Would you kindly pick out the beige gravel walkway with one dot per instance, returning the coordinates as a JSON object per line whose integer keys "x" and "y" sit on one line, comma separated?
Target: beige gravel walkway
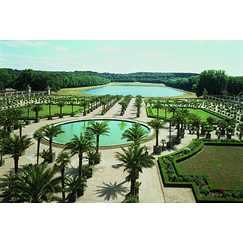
{"x": 109, "y": 183}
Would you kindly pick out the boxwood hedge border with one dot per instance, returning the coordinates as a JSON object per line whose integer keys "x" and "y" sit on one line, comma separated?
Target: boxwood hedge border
{"x": 193, "y": 185}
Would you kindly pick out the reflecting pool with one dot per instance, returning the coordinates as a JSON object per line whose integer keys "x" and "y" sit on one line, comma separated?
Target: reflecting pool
{"x": 144, "y": 91}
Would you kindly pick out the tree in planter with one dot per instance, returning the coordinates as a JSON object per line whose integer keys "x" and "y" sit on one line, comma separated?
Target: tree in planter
{"x": 3, "y": 134}
{"x": 230, "y": 131}
{"x": 51, "y": 131}
{"x": 203, "y": 124}
{"x": 75, "y": 183}
{"x": 136, "y": 133}
{"x": 20, "y": 125}
{"x": 61, "y": 104}
{"x": 138, "y": 105}
{"x": 37, "y": 108}
{"x": 38, "y": 135}
{"x": 99, "y": 129}
{"x": 210, "y": 120}
{"x": 79, "y": 145}
{"x": 163, "y": 141}
{"x": 63, "y": 159}
{"x": 7, "y": 120}
{"x": 157, "y": 124}
{"x": 158, "y": 105}
{"x": 146, "y": 148}
{"x": 32, "y": 185}
{"x": 15, "y": 146}
{"x": 123, "y": 106}
{"x": 172, "y": 109}
{"x": 134, "y": 160}
{"x": 208, "y": 129}
{"x": 222, "y": 125}
{"x": 240, "y": 127}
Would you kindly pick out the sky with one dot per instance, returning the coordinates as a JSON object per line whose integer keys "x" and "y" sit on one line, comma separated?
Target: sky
{"x": 123, "y": 56}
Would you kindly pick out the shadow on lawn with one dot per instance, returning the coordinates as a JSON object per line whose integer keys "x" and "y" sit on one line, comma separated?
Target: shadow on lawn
{"x": 110, "y": 191}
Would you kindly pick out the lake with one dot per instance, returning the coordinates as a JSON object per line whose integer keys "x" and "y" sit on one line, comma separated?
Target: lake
{"x": 144, "y": 91}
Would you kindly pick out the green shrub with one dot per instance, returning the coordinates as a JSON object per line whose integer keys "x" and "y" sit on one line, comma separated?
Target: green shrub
{"x": 187, "y": 150}
{"x": 205, "y": 191}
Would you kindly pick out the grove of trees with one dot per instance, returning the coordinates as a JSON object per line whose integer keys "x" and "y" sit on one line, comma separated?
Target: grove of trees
{"x": 215, "y": 81}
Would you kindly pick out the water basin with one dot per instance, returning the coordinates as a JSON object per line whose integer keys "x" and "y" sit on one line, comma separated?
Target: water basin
{"x": 144, "y": 91}
{"x": 117, "y": 127}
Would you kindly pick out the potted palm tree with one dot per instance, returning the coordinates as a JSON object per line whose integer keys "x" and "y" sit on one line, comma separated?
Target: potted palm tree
{"x": 51, "y": 131}
{"x": 79, "y": 145}
{"x": 163, "y": 141}
{"x": 63, "y": 159}
{"x": 37, "y": 108}
{"x": 99, "y": 129}
{"x": 134, "y": 160}
{"x": 75, "y": 184}
{"x": 15, "y": 146}
{"x": 157, "y": 124}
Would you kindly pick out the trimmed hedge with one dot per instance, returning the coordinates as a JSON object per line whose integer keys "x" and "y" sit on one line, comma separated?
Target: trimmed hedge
{"x": 229, "y": 194}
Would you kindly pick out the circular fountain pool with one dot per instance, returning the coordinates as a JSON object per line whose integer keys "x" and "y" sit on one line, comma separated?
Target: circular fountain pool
{"x": 117, "y": 127}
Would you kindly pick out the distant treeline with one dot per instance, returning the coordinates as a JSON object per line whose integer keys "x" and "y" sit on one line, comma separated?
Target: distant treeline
{"x": 215, "y": 81}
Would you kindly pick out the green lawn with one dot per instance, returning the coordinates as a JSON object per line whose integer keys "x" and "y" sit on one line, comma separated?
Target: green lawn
{"x": 54, "y": 109}
{"x": 204, "y": 115}
{"x": 223, "y": 165}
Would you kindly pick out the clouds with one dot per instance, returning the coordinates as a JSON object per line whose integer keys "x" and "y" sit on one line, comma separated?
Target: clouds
{"x": 59, "y": 48}
{"x": 110, "y": 49}
{"x": 154, "y": 54}
{"x": 19, "y": 43}
{"x": 15, "y": 56}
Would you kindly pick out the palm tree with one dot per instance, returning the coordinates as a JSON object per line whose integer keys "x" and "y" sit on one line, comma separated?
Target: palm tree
{"x": 15, "y": 146}
{"x": 38, "y": 135}
{"x": 172, "y": 109}
{"x": 158, "y": 105}
{"x": 138, "y": 105}
{"x": 84, "y": 104}
{"x": 75, "y": 183}
{"x": 134, "y": 159}
{"x": 98, "y": 129}
{"x": 63, "y": 159}
{"x": 136, "y": 133}
{"x": 61, "y": 104}
{"x": 20, "y": 125}
{"x": 79, "y": 145}
{"x": 157, "y": 124}
{"x": 33, "y": 185}
{"x": 37, "y": 108}
{"x": 51, "y": 131}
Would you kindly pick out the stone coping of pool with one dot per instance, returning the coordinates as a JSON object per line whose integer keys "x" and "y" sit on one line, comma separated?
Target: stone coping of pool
{"x": 100, "y": 118}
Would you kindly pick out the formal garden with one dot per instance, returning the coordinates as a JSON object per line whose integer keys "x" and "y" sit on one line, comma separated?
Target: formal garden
{"x": 210, "y": 164}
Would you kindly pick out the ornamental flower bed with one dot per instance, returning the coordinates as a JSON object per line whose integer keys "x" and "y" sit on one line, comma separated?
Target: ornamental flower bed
{"x": 203, "y": 188}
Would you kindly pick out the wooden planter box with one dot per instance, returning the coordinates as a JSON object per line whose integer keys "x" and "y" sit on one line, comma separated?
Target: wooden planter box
{"x": 37, "y": 120}
{"x": 49, "y": 117}
{"x": 60, "y": 115}
{"x": 73, "y": 197}
{"x": 72, "y": 114}
{"x": 27, "y": 122}
{"x": 169, "y": 145}
{"x": 53, "y": 156}
{"x": 157, "y": 149}
{"x": 2, "y": 162}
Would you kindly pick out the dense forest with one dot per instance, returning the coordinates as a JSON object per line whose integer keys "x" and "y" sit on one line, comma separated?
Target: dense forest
{"x": 215, "y": 81}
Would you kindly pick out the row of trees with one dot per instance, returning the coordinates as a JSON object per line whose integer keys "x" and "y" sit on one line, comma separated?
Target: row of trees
{"x": 40, "y": 80}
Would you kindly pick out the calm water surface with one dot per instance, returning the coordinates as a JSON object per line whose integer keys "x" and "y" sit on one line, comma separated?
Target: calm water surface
{"x": 114, "y": 138}
{"x": 145, "y": 91}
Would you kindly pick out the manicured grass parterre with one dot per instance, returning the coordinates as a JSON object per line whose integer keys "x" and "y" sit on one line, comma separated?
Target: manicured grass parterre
{"x": 202, "y": 113}
{"x": 222, "y": 164}
{"x": 200, "y": 180}
{"x": 54, "y": 110}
